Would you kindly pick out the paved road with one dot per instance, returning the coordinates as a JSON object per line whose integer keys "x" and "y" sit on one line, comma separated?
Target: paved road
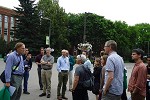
{"x": 33, "y": 86}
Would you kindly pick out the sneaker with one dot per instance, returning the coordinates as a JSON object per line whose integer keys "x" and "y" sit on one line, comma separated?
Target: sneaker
{"x": 64, "y": 98}
{"x": 48, "y": 96}
{"x": 43, "y": 94}
{"x": 26, "y": 92}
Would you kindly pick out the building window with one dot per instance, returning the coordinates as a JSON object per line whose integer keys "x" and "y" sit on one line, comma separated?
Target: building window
{"x": 5, "y": 31}
{"x": 6, "y": 19}
{"x": 12, "y": 20}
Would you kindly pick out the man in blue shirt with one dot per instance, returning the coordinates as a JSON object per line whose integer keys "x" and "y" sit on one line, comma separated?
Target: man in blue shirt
{"x": 14, "y": 78}
{"x": 113, "y": 82}
{"x": 63, "y": 67}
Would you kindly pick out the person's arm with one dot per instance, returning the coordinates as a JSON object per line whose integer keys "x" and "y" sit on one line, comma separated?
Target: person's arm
{"x": 141, "y": 77}
{"x": 37, "y": 61}
{"x": 8, "y": 69}
{"x": 75, "y": 83}
{"x": 42, "y": 61}
{"x": 109, "y": 80}
{"x": 51, "y": 62}
{"x": 58, "y": 65}
{"x": 102, "y": 78}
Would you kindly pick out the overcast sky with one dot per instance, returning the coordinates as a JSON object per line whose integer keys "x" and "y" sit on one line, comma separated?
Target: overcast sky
{"x": 130, "y": 11}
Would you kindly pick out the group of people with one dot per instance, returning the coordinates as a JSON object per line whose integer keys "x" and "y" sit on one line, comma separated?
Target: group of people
{"x": 109, "y": 71}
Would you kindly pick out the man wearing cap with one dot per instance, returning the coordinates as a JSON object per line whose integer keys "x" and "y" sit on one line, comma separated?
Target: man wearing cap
{"x": 63, "y": 66}
{"x": 46, "y": 72}
{"x": 137, "y": 81}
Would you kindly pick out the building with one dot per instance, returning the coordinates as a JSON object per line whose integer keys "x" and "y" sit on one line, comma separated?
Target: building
{"x": 7, "y": 22}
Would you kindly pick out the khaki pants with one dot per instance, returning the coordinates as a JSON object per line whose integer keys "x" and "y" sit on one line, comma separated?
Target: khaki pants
{"x": 137, "y": 97}
{"x": 46, "y": 80}
{"x": 70, "y": 79}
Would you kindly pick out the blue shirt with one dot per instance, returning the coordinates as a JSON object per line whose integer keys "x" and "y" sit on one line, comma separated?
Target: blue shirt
{"x": 12, "y": 61}
{"x": 63, "y": 63}
{"x": 115, "y": 64}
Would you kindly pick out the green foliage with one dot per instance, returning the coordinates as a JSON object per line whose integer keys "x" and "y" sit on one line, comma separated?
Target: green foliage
{"x": 27, "y": 27}
{"x": 67, "y": 30}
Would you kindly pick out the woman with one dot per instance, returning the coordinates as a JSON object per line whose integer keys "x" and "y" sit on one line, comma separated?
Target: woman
{"x": 96, "y": 74}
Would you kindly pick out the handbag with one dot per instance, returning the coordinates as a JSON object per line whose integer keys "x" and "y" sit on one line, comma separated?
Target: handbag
{"x": 3, "y": 73}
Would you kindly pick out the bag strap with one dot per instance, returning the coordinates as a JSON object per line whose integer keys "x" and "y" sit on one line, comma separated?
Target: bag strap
{"x": 17, "y": 65}
{"x": 89, "y": 73}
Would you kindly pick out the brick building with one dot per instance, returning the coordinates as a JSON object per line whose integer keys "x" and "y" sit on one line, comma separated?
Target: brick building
{"x": 7, "y": 22}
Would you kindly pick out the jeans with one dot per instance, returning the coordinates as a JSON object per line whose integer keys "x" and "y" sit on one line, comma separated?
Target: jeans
{"x": 26, "y": 77}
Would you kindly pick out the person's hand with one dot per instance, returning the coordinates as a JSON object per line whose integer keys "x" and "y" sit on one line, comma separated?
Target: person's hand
{"x": 104, "y": 92}
{"x": 71, "y": 90}
{"x": 7, "y": 84}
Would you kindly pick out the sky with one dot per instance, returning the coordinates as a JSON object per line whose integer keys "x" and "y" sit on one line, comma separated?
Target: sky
{"x": 130, "y": 11}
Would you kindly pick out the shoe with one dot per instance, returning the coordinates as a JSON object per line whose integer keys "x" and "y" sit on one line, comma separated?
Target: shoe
{"x": 59, "y": 98}
{"x": 43, "y": 94}
{"x": 48, "y": 96}
{"x": 26, "y": 92}
{"x": 64, "y": 98}
{"x": 41, "y": 88}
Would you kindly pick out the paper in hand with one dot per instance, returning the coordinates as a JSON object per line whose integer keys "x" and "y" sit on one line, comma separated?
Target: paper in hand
{"x": 12, "y": 90}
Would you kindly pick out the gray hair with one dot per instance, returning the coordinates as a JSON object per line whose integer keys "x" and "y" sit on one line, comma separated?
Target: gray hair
{"x": 81, "y": 57}
{"x": 48, "y": 49}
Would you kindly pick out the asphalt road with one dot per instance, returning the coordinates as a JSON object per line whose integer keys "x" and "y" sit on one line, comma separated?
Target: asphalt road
{"x": 33, "y": 86}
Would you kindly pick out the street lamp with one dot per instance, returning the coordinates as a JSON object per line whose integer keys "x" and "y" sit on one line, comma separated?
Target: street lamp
{"x": 49, "y": 28}
{"x": 85, "y": 18}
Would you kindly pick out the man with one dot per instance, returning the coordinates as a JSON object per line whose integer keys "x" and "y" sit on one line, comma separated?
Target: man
{"x": 25, "y": 53}
{"x": 14, "y": 78}
{"x": 71, "y": 61}
{"x": 63, "y": 67}
{"x": 38, "y": 62}
{"x": 148, "y": 79}
{"x": 88, "y": 63}
{"x": 27, "y": 68}
{"x": 113, "y": 82}
{"x": 46, "y": 73}
{"x": 78, "y": 92}
{"x": 137, "y": 81}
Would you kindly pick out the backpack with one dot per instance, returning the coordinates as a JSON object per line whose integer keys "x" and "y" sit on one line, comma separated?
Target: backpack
{"x": 88, "y": 81}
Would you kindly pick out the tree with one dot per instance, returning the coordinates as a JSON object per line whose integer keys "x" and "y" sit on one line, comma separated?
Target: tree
{"x": 27, "y": 27}
{"x": 58, "y": 19}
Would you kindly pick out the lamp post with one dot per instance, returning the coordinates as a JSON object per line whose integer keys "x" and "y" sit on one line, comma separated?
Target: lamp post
{"x": 85, "y": 21}
{"x": 49, "y": 28}
{"x": 147, "y": 47}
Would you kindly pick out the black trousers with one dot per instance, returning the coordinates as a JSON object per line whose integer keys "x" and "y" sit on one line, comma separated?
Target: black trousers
{"x": 147, "y": 92}
{"x": 39, "y": 76}
{"x": 124, "y": 95}
{"x": 80, "y": 94}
